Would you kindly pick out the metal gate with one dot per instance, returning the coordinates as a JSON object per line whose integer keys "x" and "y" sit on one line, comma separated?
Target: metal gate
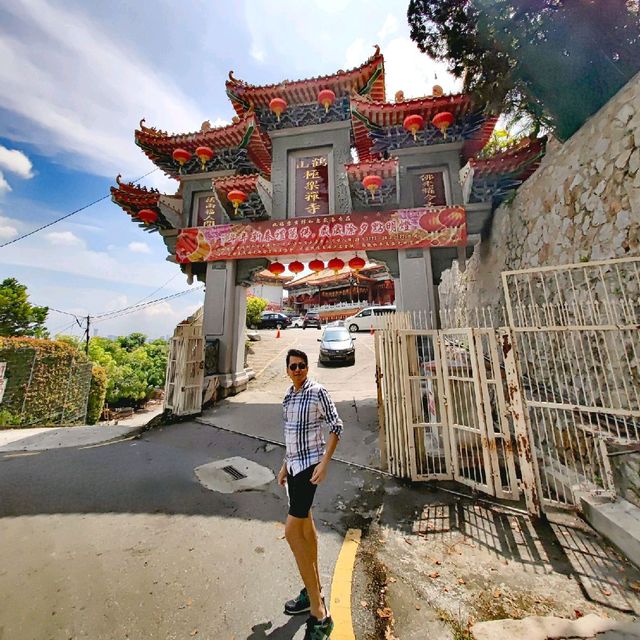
{"x": 524, "y": 409}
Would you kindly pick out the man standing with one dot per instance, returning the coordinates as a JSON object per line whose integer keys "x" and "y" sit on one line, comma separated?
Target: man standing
{"x": 307, "y": 407}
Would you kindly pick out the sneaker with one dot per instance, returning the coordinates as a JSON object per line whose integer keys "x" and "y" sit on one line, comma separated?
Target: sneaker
{"x": 318, "y": 629}
{"x": 299, "y": 604}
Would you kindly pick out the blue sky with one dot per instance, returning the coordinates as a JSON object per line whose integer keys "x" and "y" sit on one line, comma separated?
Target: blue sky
{"x": 76, "y": 77}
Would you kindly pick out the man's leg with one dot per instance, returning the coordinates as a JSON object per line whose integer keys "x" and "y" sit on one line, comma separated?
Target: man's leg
{"x": 302, "y": 538}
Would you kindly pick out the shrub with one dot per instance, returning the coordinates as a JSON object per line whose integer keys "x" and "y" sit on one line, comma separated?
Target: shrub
{"x": 97, "y": 393}
{"x": 255, "y": 307}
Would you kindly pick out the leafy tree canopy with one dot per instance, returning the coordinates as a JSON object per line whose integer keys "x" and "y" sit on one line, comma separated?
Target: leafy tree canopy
{"x": 255, "y": 307}
{"x": 554, "y": 62}
{"x": 17, "y": 316}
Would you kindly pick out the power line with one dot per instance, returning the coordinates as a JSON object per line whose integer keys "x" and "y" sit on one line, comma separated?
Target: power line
{"x": 68, "y": 215}
{"x": 66, "y": 313}
{"x": 171, "y": 279}
{"x": 139, "y": 307}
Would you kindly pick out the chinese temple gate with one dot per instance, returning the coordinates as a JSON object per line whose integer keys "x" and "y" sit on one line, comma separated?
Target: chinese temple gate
{"x": 278, "y": 188}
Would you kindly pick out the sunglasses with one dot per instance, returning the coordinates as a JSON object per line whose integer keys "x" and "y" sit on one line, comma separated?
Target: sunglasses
{"x": 297, "y": 365}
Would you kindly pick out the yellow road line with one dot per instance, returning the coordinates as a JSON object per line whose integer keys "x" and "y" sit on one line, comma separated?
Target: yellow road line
{"x": 340, "y": 606}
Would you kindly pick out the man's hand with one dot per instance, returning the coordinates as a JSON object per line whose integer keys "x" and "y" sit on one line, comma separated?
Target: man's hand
{"x": 319, "y": 473}
{"x": 282, "y": 475}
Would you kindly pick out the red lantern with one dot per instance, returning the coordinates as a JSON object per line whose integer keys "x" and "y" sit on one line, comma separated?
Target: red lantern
{"x": 181, "y": 156}
{"x": 372, "y": 184}
{"x": 236, "y": 197}
{"x": 204, "y": 154}
{"x": 356, "y": 263}
{"x": 431, "y": 221}
{"x": 326, "y": 98}
{"x": 148, "y": 216}
{"x": 278, "y": 105}
{"x": 443, "y": 121}
{"x": 296, "y": 267}
{"x": 452, "y": 218}
{"x": 276, "y": 268}
{"x": 413, "y": 123}
{"x": 316, "y": 265}
{"x": 336, "y": 264}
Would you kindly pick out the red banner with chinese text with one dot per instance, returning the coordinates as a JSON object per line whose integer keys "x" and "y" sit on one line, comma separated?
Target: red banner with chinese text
{"x": 402, "y": 229}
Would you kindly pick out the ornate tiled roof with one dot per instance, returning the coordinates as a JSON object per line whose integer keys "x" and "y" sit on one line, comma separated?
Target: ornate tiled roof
{"x": 367, "y": 79}
{"x": 519, "y": 161}
{"x": 240, "y": 138}
{"x": 368, "y": 115}
{"x": 383, "y": 168}
{"x": 229, "y": 183}
{"x": 133, "y": 198}
{"x": 328, "y": 276}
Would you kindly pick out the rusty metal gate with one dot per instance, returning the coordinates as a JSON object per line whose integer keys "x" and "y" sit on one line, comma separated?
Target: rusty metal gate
{"x": 526, "y": 409}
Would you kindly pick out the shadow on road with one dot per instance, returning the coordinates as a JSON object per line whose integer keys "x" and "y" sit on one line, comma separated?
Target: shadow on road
{"x": 285, "y": 632}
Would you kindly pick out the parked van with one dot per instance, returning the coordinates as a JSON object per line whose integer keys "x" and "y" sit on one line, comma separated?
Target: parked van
{"x": 371, "y": 317}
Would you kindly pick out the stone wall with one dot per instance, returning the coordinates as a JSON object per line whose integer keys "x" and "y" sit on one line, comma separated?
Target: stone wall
{"x": 582, "y": 204}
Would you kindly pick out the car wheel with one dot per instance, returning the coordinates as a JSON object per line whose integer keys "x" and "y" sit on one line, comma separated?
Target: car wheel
{"x": 353, "y": 328}
{"x": 279, "y": 325}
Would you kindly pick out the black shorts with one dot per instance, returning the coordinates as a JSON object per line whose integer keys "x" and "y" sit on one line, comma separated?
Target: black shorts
{"x": 301, "y": 492}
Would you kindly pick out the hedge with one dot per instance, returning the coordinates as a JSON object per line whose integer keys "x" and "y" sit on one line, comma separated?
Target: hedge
{"x": 97, "y": 393}
{"x": 46, "y": 382}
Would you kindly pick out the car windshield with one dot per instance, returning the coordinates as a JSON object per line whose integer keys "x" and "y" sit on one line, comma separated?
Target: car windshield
{"x": 336, "y": 335}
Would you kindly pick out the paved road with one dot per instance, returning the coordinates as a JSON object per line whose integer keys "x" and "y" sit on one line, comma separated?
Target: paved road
{"x": 122, "y": 540}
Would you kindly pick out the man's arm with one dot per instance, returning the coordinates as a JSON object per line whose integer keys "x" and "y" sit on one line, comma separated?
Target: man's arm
{"x": 320, "y": 472}
{"x": 335, "y": 430}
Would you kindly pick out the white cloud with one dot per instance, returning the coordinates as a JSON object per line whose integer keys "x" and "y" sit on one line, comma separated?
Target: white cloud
{"x": 64, "y": 239}
{"x": 15, "y": 161}
{"x": 7, "y": 232}
{"x": 389, "y": 27}
{"x": 139, "y": 247}
{"x": 257, "y": 52}
{"x": 88, "y": 119}
{"x": 5, "y": 187}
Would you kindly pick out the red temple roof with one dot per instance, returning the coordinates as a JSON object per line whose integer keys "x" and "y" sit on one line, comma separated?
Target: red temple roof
{"x": 368, "y": 77}
{"x": 327, "y": 275}
{"x": 247, "y": 184}
{"x": 522, "y": 159}
{"x": 159, "y": 145}
{"x": 132, "y": 197}
{"x": 367, "y": 114}
{"x": 383, "y": 168}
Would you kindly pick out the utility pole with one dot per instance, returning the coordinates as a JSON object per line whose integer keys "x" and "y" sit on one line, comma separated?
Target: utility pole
{"x": 86, "y": 344}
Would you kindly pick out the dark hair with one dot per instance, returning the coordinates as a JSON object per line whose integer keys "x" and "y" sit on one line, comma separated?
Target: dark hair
{"x": 296, "y": 353}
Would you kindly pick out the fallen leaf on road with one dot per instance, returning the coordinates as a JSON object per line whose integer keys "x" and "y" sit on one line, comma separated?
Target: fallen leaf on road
{"x": 578, "y": 613}
{"x": 418, "y": 607}
{"x": 434, "y": 574}
{"x": 635, "y": 585}
{"x": 606, "y": 591}
{"x": 437, "y": 562}
{"x": 364, "y": 604}
{"x": 446, "y": 589}
{"x": 408, "y": 541}
{"x": 496, "y": 594}
{"x": 384, "y": 613}
{"x": 194, "y": 632}
{"x": 461, "y": 581}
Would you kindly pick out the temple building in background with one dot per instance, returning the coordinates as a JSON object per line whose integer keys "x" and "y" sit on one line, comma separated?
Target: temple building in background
{"x": 376, "y": 197}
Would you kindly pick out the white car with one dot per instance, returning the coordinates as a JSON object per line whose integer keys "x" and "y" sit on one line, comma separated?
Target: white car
{"x": 296, "y": 321}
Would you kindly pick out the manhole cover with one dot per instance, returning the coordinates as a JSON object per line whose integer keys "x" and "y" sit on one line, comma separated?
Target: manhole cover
{"x": 233, "y": 474}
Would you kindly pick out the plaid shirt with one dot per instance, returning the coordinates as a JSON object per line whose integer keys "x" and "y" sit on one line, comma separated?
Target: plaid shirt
{"x": 305, "y": 411}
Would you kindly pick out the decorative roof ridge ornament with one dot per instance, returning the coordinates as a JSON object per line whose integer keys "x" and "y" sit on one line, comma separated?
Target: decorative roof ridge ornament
{"x": 132, "y": 187}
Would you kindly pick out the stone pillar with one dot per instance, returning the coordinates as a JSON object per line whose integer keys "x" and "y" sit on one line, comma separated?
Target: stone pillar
{"x": 417, "y": 291}
{"x": 225, "y": 306}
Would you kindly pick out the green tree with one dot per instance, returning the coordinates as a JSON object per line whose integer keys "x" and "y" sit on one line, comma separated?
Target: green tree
{"x": 555, "y": 62}
{"x": 17, "y": 316}
{"x": 132, "y": 341}
{"x": 255, "y": 307}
